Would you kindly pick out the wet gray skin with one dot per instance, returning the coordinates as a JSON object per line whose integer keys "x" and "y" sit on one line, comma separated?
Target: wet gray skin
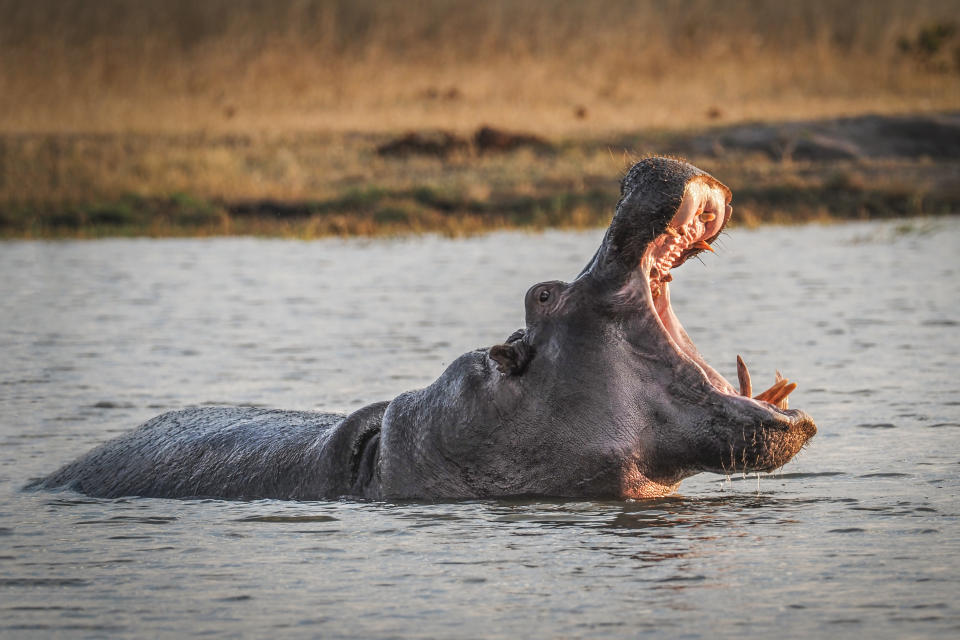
{"x": 601, "y": 394}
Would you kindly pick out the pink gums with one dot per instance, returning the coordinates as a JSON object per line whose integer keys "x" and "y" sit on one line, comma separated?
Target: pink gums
{"x": 702, "y": 213}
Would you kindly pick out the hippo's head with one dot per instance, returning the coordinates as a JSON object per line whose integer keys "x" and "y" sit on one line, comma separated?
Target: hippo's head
{"x": 602, "y": 393}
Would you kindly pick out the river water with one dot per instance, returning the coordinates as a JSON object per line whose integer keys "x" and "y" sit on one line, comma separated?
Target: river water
{"x": 857, "y": 537}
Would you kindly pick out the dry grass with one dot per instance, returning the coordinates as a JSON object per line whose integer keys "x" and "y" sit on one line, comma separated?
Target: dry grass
{"x": 336, "y": 184}
{"x": 166, "y": 117}
{"x": 363, "y": 65}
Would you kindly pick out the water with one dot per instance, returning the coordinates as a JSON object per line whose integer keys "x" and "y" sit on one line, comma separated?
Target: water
{"x": 858, "y": 536}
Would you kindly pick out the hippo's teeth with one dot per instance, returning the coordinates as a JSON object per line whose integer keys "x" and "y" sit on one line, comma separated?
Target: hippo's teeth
{"x": 746, "y": 388}
{"x": 778, "y": 392}
{"x": 700, "y": 244}
{"x": 784, "y": 402}
{"x": 707, "y": 217}
{"x": 769, "y": 393}
{"x": 781, "y": 399}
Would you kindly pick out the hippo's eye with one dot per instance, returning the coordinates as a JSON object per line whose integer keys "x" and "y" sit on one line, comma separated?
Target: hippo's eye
{"x": 544, "y": 295}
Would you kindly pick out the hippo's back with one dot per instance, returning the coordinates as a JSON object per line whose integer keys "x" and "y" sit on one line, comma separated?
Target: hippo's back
{"x": 222, "y": 452}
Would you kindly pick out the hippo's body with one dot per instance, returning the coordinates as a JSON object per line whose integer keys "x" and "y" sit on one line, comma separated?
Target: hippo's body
{"x": 602, "y": 394}
{"x": 233, "y": 453}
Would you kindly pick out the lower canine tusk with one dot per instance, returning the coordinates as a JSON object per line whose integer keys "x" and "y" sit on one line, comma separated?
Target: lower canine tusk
{"x": 746, "y": 388}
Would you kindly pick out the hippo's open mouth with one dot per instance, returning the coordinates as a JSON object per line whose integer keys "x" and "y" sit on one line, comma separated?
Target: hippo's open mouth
{"x": 702, "y": 215}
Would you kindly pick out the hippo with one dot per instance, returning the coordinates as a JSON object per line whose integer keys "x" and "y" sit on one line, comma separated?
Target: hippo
{"x": 601, "y": 394}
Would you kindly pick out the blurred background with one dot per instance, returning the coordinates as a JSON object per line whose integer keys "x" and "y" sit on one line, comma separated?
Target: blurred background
{"x": 312, "y": 117}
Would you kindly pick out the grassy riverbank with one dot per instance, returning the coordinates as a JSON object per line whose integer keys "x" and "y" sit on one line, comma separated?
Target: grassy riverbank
{"x": 321, "y": 117}
{"x": 340, "y": 184}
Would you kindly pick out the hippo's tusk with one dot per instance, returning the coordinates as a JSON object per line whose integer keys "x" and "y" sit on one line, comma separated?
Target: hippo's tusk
{"x": 746, "y": 389}
{"x": 783, "y": 403}
{"x": 777, "y": 394}
{"x": 781, "y": 400}
{"x": 772, "y": 391}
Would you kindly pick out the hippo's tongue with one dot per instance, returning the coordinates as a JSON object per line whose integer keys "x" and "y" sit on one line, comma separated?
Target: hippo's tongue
{"x": 702, "y": 214}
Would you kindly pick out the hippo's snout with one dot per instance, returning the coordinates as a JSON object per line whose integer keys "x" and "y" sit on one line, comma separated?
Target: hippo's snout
{"x": 784, "y": 442}
{"x": 757, "y": 442}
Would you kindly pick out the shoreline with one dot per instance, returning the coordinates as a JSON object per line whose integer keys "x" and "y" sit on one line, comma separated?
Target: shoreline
{"x": 96, "y": 221}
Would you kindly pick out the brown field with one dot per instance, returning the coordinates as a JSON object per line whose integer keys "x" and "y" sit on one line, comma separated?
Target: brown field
{"x": 240, "y": 116}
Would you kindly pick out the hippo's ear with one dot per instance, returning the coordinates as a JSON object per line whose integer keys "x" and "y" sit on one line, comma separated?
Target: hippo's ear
{"x": 511, "y": 358}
